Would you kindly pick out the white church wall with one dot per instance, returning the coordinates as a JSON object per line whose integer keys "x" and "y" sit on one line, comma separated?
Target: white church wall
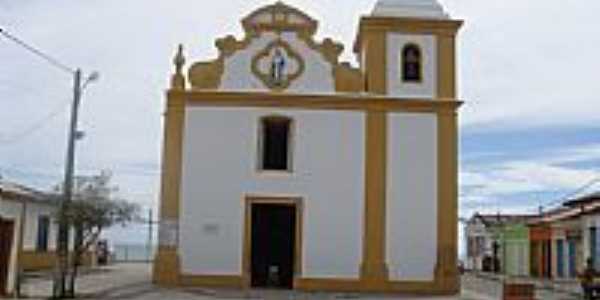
{"x": 317, "y": 76}
{"x": 219, "y": 170}
{"x": 412, "y": 196}
{"x": 425, "y": 89}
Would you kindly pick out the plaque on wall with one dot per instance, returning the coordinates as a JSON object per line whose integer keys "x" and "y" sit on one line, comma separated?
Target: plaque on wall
{"x": 168, "y": 233}
{"x": 211, "y": 229}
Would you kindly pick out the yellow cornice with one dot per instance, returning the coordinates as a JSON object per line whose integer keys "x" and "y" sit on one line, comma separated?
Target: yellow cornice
{"x": 405, "y": 25}
{"x": 365, "y": 102}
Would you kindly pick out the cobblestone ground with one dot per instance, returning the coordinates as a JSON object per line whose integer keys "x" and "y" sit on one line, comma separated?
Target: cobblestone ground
{"x": 132, "y": 281}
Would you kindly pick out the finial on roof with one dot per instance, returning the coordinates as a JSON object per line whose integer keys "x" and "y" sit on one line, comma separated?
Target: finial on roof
{"x": 179, "y": 60}
{"x": 178, "y": 80}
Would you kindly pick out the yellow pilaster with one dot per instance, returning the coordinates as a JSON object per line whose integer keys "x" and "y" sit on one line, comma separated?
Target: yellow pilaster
{"x": 446, "y": 65}
{"x": 166, "y": 264}
{"x": 374, "y": 271}
{"x": 374, "y": 268}
{"x": 447, "y": 269}
{"x": 447, "y": 276}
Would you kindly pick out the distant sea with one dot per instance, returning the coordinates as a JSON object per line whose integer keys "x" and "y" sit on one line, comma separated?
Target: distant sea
{"x": 133, "y": 252}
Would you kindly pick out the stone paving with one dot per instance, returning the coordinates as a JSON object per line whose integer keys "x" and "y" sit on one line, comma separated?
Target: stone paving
{"x": 132, "y": 281}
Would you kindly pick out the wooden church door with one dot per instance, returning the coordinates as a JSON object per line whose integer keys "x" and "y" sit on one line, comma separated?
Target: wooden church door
{"x": 273, "y": 242}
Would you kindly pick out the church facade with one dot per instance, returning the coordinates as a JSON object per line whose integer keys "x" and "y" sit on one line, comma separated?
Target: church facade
{"x": 284, "y": 167}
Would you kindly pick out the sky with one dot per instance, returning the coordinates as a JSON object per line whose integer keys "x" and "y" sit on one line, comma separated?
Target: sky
{"x": 527, "y": 74}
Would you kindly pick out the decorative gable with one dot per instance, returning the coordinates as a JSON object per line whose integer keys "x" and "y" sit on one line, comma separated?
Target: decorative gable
{"x": 278, "y": 53}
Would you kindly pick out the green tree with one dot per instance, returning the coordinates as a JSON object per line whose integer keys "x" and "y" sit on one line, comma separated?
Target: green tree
{"x": 94, "y": 209}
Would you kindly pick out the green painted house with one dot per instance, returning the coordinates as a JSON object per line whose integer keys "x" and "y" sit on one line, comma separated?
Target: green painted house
{"x": 514, "y": 241}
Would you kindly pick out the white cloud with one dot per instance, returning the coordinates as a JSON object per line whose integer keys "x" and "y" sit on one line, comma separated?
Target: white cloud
{"x": 492, "y": 182}
{"x": 579, "y": 153}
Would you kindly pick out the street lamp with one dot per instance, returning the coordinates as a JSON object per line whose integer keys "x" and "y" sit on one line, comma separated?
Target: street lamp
{"x": 94, "y": 76}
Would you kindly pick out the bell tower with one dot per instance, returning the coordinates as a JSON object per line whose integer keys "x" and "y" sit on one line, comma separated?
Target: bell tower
{"x": 406, "y": 49}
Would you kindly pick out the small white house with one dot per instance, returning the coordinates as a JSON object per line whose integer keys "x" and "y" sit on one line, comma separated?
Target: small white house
{"x": 27, "y": 232}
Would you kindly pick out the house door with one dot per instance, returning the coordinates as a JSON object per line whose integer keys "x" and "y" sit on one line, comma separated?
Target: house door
{"x": 6, "y": 237}
{"x": 560, "y": 259}
{"x": 272, "y": 246}
{"x": 572, "y": 259}
{"x": 548, "y": 259}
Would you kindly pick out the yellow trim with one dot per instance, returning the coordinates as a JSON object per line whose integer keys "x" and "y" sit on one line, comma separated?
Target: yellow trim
{"x": 214, "y": 281}
{"x": 446, "y": 271}
{"x": 446, "y": 70}
{"x": 404, "y": 25}
{"x": 172, "y": 158}
{"x": 35, "y": 260}
{"x": 317, "y": 102}
{"x": 248, "y": 201}
{"x": 166, "y": 267}
{"x": 348, "y": 79}
{"x": 327, "y": 284}
{"x": 374, "y": 267}
{"x": 376, "y": 62}
{"x": 206, "y": 75}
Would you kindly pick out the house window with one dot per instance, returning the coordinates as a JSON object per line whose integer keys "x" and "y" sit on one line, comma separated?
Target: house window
{"x": 42, "y": 234}
{"x": 275, "y": 146}
{"x": 411, "y": 63}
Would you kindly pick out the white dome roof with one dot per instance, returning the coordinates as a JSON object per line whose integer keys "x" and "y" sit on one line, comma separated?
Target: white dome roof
{"x": 428, "y": 9}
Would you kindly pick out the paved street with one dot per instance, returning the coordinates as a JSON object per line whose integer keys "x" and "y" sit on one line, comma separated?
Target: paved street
{"x": 132, "y": 281}
{"x": 491, "y": 287}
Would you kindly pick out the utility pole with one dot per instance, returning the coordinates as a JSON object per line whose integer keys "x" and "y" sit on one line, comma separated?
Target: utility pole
{"x": 63, "y": 225}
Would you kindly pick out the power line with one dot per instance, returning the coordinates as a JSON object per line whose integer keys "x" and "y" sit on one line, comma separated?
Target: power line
{"x": 577, "y": 191}
{"x": 550, "y": 203}
{"x": 35, "y": 126}
{"x": 569, "y": 195}
{"x": 56, "y": 63}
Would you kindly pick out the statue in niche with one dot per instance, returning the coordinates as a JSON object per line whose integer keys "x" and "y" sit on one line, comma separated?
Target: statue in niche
{"x": 278, "y": 64}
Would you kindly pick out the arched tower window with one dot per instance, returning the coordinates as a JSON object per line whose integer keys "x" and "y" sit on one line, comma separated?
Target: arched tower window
{"x": 275, "y": 143}
{"x": 411, "y": 63}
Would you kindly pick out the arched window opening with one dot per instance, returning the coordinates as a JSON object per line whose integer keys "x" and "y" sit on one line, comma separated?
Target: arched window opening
{"x": 411, "y": 63}
{"x": 275, "y": 146}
